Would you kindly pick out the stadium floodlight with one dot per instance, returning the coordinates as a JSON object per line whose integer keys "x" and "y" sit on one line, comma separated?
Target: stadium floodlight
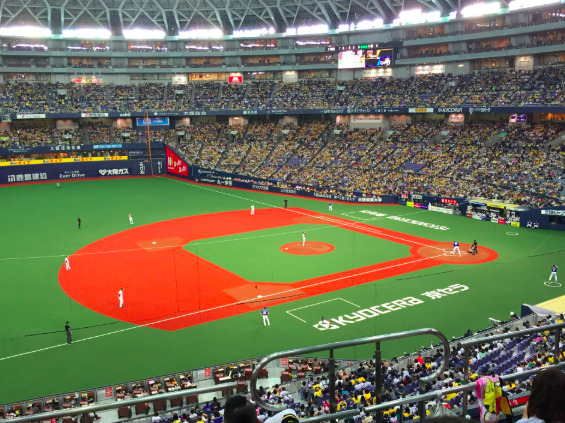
{"x": 144, "y": 34}
{"x": 346, "y": 27}
{"x": 415, "y": 16}
{"x": 364, "y": 25}
{"x": 196, "y": 47}
{"x": 290, "y": 31}
{"x": 312, "y": 29}
{"x": 87, "y": 33}
{"x": 523, "y": 4}
{"x": 257, "y": 32}
{"x": 453, "y": 15}
{"x": 201, "y": 34}
{"x": 480, "y": 9}
{"x": 25, "y": 32}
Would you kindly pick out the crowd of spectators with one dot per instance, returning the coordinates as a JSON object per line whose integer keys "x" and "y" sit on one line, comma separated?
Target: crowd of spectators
{"x": 482, "y": 159}
{"x": 400, "y": 379}
{"x": 541, "y": 86}
{"x": 98, "y": 133}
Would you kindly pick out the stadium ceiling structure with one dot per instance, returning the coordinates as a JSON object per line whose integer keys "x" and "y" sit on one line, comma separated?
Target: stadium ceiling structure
{"x": 173, "y": 16}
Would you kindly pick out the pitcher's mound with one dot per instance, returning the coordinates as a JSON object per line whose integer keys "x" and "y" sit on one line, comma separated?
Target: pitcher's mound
{"x": 311, "y": 248}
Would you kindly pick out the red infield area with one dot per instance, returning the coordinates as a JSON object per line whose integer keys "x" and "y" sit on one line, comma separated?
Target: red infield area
{"x": 169, "y": 288}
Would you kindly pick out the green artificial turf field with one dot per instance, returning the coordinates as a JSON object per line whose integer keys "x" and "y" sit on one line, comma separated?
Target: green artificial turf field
{"x": 39, "y": 228}
{"x": 263, "y": 260}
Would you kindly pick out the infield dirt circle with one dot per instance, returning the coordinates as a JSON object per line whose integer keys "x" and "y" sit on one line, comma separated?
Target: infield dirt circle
{"x": 310, "y": 249}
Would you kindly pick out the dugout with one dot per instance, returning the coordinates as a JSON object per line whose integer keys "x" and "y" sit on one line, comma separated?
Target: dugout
{"x": 548, "y": 218}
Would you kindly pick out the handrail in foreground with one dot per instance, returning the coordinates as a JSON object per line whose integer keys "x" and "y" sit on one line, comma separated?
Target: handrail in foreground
{"x": 225, "y": 387}
{"x": 421, "y": 397}
{"x": 350, "y": 343}
{"x": 472, "y": 342}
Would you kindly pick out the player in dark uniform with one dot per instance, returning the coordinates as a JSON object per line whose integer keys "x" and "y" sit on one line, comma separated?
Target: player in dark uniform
{"x": 69, "y": 333}
{"x": 79, "y": 222}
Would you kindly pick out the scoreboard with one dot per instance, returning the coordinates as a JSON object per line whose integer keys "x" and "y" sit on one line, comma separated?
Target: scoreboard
{"x": 363, "y": 56}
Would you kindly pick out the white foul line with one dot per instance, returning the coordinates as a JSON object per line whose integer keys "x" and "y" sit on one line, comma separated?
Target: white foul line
{"x": 315, "y": 304}
{"x": 333, "y": 220}
{"x": 221, "y": 307}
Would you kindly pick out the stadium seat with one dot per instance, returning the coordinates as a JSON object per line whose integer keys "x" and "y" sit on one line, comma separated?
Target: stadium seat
{"x": 142, "y": 408}
{"x": 159, "y": 405}
{"x": 122, "y": 412}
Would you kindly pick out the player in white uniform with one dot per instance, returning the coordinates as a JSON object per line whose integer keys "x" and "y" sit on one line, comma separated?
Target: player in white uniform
{"x": 456, "y": 248}
{"x": 252, "y": 210}
{"x": 265, "y": 314}
{"x": 130, "y": 219}
{"x": 121, "y": 297}
{"x": 67, "y": 263}
{"x": 330, "y": 206}
{"x": 303, "y": 239}
{"x": 554, "y": 272}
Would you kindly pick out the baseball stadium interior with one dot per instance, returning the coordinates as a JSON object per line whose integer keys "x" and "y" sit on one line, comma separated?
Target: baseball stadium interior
{"x": 448, "y": 108}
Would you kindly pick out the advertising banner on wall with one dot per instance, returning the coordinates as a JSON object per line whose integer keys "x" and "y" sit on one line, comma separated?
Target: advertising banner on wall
{"x": 175, "y": 164}
{"x": 79, "y": 170}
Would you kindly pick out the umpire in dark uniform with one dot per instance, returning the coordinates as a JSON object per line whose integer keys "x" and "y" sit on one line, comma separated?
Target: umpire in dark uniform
{"x": 69, "y": 333}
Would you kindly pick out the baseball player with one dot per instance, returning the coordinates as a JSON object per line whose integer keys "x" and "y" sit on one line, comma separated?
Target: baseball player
{"x": 554, "y": 272}
{"x": 456, "y": 248}
{"x": 252, "y": 210}
{"x": 130, "y": 219}
{"x": 67, "y": 263}
{"x": 265, "y": 314}
{"x": 330, "y": 206}
{"x": 121, "y": 297}
{"x": 303, "y": 239}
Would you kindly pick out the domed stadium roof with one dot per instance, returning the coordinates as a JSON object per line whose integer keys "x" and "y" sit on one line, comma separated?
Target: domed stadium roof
{"x": 173, "y": 16}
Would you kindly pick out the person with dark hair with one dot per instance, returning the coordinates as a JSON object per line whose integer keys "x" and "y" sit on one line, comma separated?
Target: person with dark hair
{"x": 546, "y": 399}
{"x": 69, "y": 333}
{"x": 239, "y": 410}
{"x": 79, "y": 222}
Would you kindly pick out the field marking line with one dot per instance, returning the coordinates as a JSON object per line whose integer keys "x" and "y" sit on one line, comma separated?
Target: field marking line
{"x": 125, "y": 250}
{"x": 315, "y": 304}
{"x": 377, "y": 217}
{"x": 328, "y": 219}
{"x": 192, "y": 313}
{"x": 261, "y": 236}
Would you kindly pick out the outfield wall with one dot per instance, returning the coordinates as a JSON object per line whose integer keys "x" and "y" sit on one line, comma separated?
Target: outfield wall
{"x": 52, "y": 171}
{"x": 179, "y": 167}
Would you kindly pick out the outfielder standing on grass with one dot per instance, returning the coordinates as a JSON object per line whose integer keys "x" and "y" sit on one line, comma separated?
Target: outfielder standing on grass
{"x": 69, "y": 333}
{"x": 265, "y": 314}
{"x": 554, "y": 272}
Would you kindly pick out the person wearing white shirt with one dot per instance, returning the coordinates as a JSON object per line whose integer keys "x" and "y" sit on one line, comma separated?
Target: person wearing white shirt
{"x": 265, "y": 314}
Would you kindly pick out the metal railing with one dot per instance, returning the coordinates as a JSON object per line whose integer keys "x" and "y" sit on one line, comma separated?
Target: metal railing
{"x": 225, "y": 388}
{"x": 467, "y": 345}
{"x": 421, "y": 397}
{"x": 351, "y": 343}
